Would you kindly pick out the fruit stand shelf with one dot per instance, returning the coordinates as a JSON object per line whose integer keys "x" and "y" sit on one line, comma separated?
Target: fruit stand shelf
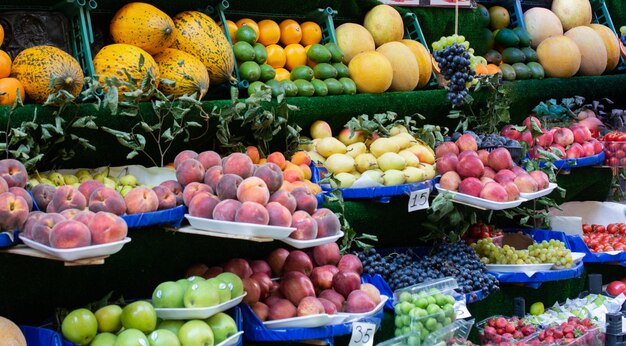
{"x": 23, "y": 250}
{"x": 191, "y": 230}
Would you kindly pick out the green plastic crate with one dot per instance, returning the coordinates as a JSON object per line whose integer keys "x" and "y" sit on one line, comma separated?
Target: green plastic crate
{"x": 80, "y": 34}
{"x": 322, "y": 16}
{"x": 413, "y": 31}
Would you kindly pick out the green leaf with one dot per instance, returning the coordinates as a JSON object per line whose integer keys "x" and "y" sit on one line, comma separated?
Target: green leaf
{"x": 132, "y": 154}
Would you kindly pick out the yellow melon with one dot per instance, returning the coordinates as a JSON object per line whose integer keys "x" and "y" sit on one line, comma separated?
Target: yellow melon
{"x": 559, "y": 56}
{"x": 592, "y": 50}
{"x": 114, "y": 59}
{"x": 10, "y": 334}
{"x": 572, "y": 13}
{"x": 353, "y": 39}
{"x": 423, "y": 61}
{"x": 542, "y": 23}
{"x": 405, "y": 68}
{"x": 611, "y": 43}
{"x": 385, "y": 24}
{"x": 371, "y": 72}
{"x": 188, "y": 73}
{"x": 144, "y": 26}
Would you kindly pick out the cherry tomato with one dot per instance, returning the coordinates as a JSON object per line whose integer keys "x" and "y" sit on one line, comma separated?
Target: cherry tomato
{"x": 600, "y": 229}
{"x": 612, "y": 228}
{"x": 587, "y": 228}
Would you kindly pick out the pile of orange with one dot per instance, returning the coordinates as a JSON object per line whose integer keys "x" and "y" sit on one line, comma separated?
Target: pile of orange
{"x": 9, "y": 87}
{"x": 489, "y": 69}
{"x": 286, "y": 43}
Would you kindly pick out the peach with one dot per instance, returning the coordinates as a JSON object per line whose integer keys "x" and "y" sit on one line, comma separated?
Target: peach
{"x": 209, "y": 159}
{"x": 107, "y": 199}
{"x": 575, "y": 151}
{"x": 227, "y": 186}
{"x": 194, "y": 188}
{"x": 446, "y": 148}
{"x": 212, "y": 176}
{"x": 327, "y": 254}
{"x": 483, "y": 155}
{"x": 287, "y": 186}
{"x": 202, "y": 205}
{"x": 66, "y": 197}
{"x": 597, "y": 146}
{"x": 504, "y": 176}
{"x": 88, "y": 187}
{"x": 518, "y": 170}
{"x": 447, "y": 163}
{"x": 467, "y": 153}
{"x": 176, "y": 189}
{"x": 494, "y": 192}
{"x": 588, "y": 149}
{"x": 526, "y": 183}
{"x": 527, "y": 137}
{"x": 70, "y": 213}
{"x": 167, "y": 199}
{"x": 4, "y": 187}
{"x": 301, "y": 158}
{"x": 253, "y": 154}
{"x": 510, "y": 132}
{"x": 332, "y": 296}
{"x": 13, "y": 172}
{"x": 279, "y": 215}
{"x": 271, "y": 175}
{"x": 141, "y": 200}
{"x": 310, "y": 306}
{"x": 558, "y": 150}
{"x": 305, "y": 225}
{"x": 20, "y": 191}
{"x": 84, "y": 216}
{"x": 500, "y": 159}
{"x": 581, "y": 134}
{"x": 359, "y": 301}
{"x": 541, "y": 178}
{"x": 281, "y": 309}
{"x": 107, "y": 228}
{"x": 189, "y": 171}
{"x": 306, "y": 171}
{"x": 546, "y": 139}
{"x": 41, "y": 229}
{"x": 511, "y": 190}
{"x": 13, "y": 211}
{"x": 184, "y": 155}
{"x": 486, "y": 180}
{"x": 470, "y": 166}
{"x": 238, "y": 164}
{"x": 252, "y": 212}
{"x": 327, "y": 222}
{"x": 466, "y": 142}
{"x": 27, "y": 228}
{"x": 226, "y": 210}
{"x": 371, "y": 291}
{"x": 471, "y": 186}
{"x": 489, "y": 172}
{"x": 305, "y": 200}
{"x": 534, "y": 119}
{"x": 278, "y": 158}
{"x": 253, "y": 189}
{"x": 293, "y": 175}
{"x": 563, "y": 137}
{"x": 450, "y": 181}
{"x": 69, "y": 234}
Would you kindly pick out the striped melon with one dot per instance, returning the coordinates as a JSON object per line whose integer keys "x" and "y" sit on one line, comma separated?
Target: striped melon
{"x": 188, "y": 73}
{"x": 198, "y": 35}
{"x": 144, "y": 26}
{"x": 44, "y": 70}
{"x": 112, "y": 60}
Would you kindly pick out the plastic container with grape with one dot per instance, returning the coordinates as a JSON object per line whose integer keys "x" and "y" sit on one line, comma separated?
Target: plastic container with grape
{"x": 427, "y": 307}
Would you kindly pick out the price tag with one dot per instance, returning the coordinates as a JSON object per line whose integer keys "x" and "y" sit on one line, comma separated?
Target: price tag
{"x": 362, "y": 334}
{"x": 418, "y": 199}
{"x": 461, "y": 310}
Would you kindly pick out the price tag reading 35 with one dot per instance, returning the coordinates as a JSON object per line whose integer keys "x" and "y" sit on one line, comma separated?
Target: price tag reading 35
{"x": 418, "y": 199}
{"x": 362, "y": 334}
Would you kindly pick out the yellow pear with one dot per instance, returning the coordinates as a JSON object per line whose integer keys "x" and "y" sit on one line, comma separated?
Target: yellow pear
{"x": 383, "y": 145}
{"x": 410, "y": 158}
{"x": 391, "y": 160}
{"x": 356, "y": 149}
{"x": 344, "y": 180}
{"x": 365, "y": 162}
{"x": 339, "y": 163}
{"x": 329, "y": 145}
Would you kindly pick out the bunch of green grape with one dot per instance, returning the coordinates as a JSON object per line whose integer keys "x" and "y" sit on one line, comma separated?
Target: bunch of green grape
{"x": 552, "y": 251}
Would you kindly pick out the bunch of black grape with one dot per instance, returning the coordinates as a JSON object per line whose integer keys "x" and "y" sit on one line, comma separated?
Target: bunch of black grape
{"x": 454, "y": 64}
{"x": 448, "y": 260}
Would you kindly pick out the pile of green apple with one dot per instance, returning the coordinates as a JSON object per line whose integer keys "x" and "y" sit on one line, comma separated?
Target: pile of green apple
{"x": 196, "y": 292}
{"x": 394, "y": 160}
{"x": 425, "y": 311}
{"x": 122, "y": 184}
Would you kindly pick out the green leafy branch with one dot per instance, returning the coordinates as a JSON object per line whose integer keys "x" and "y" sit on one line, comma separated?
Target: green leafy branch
{"x": 559, "y": 113}
{"x": 447, "y": 220}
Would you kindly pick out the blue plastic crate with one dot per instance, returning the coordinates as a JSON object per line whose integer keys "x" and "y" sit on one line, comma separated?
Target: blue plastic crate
{"x": 173, "y": 217}
{"x": 43, "y": 337}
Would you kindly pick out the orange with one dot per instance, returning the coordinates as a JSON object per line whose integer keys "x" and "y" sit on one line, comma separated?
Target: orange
{"x": 481, "y": 69}
{"x": 232, "y": 30}
{"x": 296, "y": 56}
{"x": 5, "y": 64}
{"x": 311, "y": 33}
{"x": 249, "y": 22}
{"x": 493, "y": 69}
{"x": 290, "y": 32}
{"x": 278, "y": 158}
{"x": 275, "y": 56}
{"x": 282, "y": 74}
{"x": 269, "y": 32}
{"x": 499, "y": 17}
{"x": 301, "y": 158}
{"x": 10, "y": 86}
{"x": 1, "y": 35}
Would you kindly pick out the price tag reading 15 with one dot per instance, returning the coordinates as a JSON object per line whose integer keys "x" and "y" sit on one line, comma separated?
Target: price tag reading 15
{"x": 418, "y": 200}
{"x": 362, "y": 334}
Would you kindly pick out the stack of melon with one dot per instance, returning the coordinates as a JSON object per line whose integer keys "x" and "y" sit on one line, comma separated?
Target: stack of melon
{"x": 567, "y": 43}
{"x": 189, "y": 50}
{"x": 378, "y": 58}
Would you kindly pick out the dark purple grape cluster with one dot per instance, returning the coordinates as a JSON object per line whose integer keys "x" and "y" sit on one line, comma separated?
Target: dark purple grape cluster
{"x": 454, "y": 64}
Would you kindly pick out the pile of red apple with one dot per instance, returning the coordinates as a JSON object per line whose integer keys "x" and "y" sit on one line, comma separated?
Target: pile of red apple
{"x": 572, "y": 143}
{"x": 478, "y": 231}
{"x": 566, "y": 332}
{"x": 488, "y": 175}
{"x": 236, "y": 189}
{"x": 497, "y": 330}
{"x": 318, "y": 282}
{"x": 603, "y": 239}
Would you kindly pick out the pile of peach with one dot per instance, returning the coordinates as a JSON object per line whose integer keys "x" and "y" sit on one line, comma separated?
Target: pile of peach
{"x": 236, "y": 189}
{"x": 488, "y": 175}
{"x": 319, "y": 281}
{"x": 15, "y": 201}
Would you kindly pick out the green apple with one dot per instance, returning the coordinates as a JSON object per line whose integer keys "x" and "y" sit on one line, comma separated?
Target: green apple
{"x": 80, "y": 326}
{"x": 194, "y": 279}
{"x": 171, "y": 325}
{"x": 109, "y": 318}
{"x": 70, "y": 179}
{"x": 104, "y": 339}
{"x": 223, "y": 326}
{"x": 132, "y": 337}
{"x": 537, "y": 308}
{"x": 56, "y": 178}
{"x": 139, "y": 315}
{"x": 168, "y": 295}
{"x": 222, "y": 289}
{"x": 128, "y": 180}
{"x": 201, "y": 295}
{"x": 163, "y": 337}
{"x": 234, "y": 282}
{"x": 196, "y": 333}
{"x": 184, "y": 283}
